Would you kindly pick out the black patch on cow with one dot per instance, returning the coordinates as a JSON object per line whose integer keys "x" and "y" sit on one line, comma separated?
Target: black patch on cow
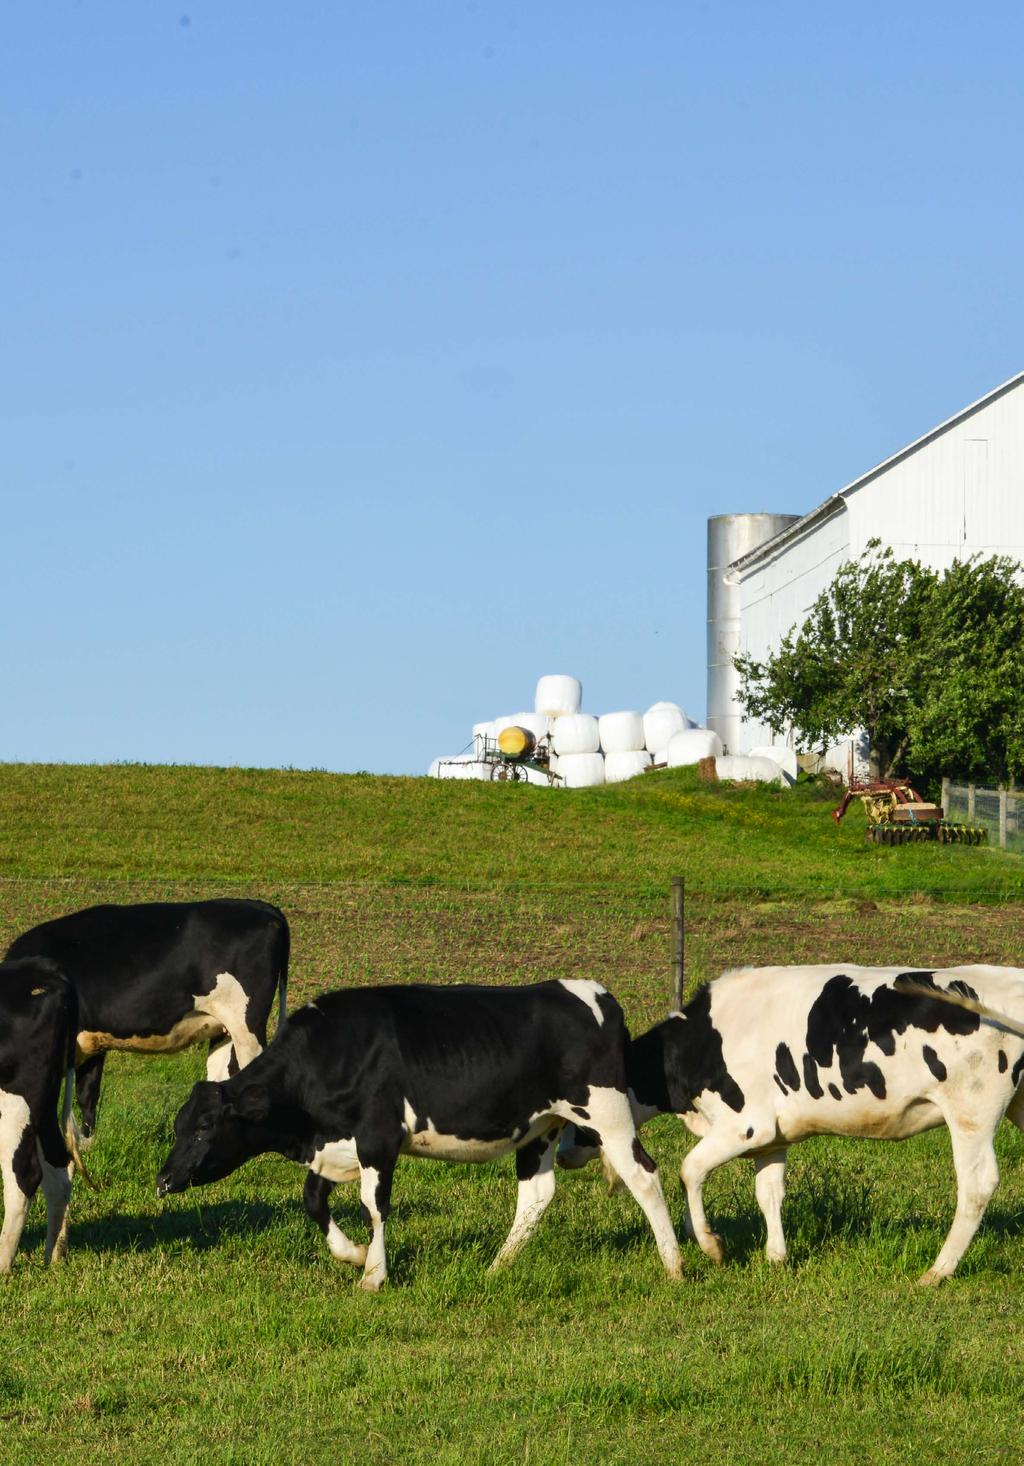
{"x": 1017, "y": 1070}
{"x": 811, "y": 1079}
{"x": 843, "y": 1020}
{"x": 786, "y": 1069}
{"x": 750, "y": 1132}
{"x": 579, "y": 1110}
{"x": 934, "y": 1063}
{"x": 779, "y": 1082}
{"x": 641, "y": 1157}
{"x": 528, "y": 1159}
{"x": 586, "y": 1137}
{"x": 1003, "y": 1062}
{"x": 835, "y": 1091}
{"x": 674, "y": 1062}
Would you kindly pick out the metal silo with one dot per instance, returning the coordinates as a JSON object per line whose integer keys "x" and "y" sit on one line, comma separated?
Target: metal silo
{"x": 729, "y": 537}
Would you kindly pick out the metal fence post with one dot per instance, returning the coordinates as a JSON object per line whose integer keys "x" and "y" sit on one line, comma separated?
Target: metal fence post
{"x": 1002, "y": 816}
{"x": 678, "y": 977}
{"x": 945, "y": 798}
{"x": 970, "y": 801}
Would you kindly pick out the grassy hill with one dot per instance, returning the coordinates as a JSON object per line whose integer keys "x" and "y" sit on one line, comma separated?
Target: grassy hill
{"x": 214, "y": 1327}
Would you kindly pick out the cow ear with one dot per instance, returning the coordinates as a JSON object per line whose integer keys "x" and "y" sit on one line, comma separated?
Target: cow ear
{"x": 253, "y": 1103}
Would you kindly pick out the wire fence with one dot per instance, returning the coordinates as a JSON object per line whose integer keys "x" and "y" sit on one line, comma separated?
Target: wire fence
{"x": 1000, "y": 810}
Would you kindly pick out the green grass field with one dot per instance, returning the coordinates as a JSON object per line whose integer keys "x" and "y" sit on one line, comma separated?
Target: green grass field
{"x": 215, "y": 1327}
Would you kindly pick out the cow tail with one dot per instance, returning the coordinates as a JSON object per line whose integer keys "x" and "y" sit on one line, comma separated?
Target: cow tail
{"x": 282, "y": 975}
{"x": 67, "y": 1118}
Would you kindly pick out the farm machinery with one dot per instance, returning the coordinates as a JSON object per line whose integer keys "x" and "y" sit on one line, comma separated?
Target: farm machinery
{"x": 514, "y": 751}
{"x": 897, "y": 815}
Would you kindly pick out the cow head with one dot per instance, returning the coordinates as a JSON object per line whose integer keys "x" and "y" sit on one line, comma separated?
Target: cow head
{"x": 215, "y": 1131}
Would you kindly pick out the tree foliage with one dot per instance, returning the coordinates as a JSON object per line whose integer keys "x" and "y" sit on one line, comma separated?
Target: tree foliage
{"x": 930, "y": 665}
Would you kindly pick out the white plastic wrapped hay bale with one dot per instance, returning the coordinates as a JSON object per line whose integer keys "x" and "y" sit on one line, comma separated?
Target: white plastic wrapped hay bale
{"x": 539, "y": 724}
{"x": 480, "y": 732}
{"x": 691, "y": 745}
{"x": 558, "y": 695}
{"x": 662, "y": 721}
{"x": 581, "y": 770}
{"x": 781, "y": 755}
{"x": 621, "y": 732}
{"x": 625, "y": 764}
{"x": 461, "y": 766}
{"x": 747, "y": 770}
{"x": 576, "y": 733}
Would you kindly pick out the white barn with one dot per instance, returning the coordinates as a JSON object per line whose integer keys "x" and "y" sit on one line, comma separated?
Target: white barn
{"x": 955, "y": 491}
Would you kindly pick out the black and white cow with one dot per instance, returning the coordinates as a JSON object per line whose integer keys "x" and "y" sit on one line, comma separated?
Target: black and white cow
{"x": 38, "y": 1021}
{"x": 764, "y": 1057}
{"x": 156, "y": 977}
{"x": 358, "y": 1078}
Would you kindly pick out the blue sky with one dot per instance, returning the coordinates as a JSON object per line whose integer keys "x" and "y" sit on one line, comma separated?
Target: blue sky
{"x": 362, "y": 363}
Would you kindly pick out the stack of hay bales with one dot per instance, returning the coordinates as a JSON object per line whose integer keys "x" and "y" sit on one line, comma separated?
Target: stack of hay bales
{"x": 585, "y": 750}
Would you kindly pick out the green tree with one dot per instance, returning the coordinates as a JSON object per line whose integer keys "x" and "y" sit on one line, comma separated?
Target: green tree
{"x": 930, "y": 666}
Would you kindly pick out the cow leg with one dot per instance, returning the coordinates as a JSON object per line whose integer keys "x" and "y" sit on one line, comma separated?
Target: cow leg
{"x": 19, "y": 1165}
{"x": 977, "y": 1176}
{"x": 612, "y": 1120}
{"x": 717, "y": 1147}
{"x": 314, "y": 1195}
{"x": 87, "y": 1086}
{"x": 535, "y": 1171}
{"x": 57, "y": 1169}
{"x": 770, "y": 1189}
{"x": 376, "y": 1172}
{"x": 57, "y": 1191}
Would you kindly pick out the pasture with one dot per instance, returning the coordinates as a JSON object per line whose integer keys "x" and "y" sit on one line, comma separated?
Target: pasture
{"x": 215, "y": 1327}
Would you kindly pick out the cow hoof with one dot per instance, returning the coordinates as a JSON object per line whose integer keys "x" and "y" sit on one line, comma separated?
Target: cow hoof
{"x": 371, "y": 1282}
{"x": 775, "y": 1258}
{"x": 931, "y": 1278}
{"x": 712, "y": 1245}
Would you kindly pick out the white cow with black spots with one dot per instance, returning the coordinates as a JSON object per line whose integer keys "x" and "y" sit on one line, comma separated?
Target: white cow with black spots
{"x": 765, "y": 1057}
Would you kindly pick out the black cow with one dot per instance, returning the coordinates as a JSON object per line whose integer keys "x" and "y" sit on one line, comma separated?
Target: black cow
{"x": 358, "y": 1078}
{"x": 38, "y": 1022}
{"x": 156, "y": 977}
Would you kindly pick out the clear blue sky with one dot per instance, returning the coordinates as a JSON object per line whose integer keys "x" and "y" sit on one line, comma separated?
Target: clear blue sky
{"x": 362, "y": 362}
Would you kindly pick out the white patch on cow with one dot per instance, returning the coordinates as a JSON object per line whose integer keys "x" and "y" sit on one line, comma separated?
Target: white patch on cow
{"x": 218, "y": 1062}
{"x": 229, "y": 1002}
{"x": 436, "y": 1145}
{"x": 14, "y": 1121}
{"x": 408, "y": 1116}
{"x": 57, "y": 1191}
{"x": 214, "y": 1014}
{"x": 337, "y": 1160}
{"x": 588, "y": 992}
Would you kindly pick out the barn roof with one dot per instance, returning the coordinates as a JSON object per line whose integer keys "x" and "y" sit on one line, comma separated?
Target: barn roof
{"x": 836, "y": 501}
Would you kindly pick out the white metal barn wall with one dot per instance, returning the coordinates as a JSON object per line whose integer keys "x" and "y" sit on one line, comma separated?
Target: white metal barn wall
{"x": 955, "y": 492}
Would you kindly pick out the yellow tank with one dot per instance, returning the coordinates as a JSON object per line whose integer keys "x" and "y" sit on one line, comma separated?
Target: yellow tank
{"x": 516, "y": 742}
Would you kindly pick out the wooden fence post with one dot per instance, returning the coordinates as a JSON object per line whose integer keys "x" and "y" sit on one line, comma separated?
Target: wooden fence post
{"x": 678, "y": 973}
{"x": 1002, "y": 816}
{"x": 970, "y": 801}
{"x": 945, "y": 798}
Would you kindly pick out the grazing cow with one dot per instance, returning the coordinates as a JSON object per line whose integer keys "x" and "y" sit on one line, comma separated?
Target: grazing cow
{"x": 157, "y": 977}
{"x": 38, "y": 1021}
{"x": 358, "y": 1078}
{"x": 764, "y": 1057}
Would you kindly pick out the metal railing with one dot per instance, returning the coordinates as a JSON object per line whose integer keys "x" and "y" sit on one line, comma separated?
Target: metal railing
{"x": 999, "y": 809}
